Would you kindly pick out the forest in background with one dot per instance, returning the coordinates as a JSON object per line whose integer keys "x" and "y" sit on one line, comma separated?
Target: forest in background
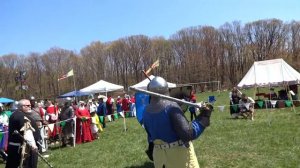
{"x": 191, "y": 55}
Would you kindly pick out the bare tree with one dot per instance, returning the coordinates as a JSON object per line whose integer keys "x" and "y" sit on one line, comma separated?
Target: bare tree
{"x": 265, "y": 37}
{"x": 294, "y": 45}
{"x": 137, "y": 49}
{"x": 94, "y": 60}
{"x": 9, "y": 71}
{"x": 194, "y": 54}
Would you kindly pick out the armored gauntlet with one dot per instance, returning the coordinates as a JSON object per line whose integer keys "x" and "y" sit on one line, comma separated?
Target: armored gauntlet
{"x": 205, "y": 113}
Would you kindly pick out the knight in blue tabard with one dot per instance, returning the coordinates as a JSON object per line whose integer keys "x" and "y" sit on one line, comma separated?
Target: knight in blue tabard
{"x": 169, "y": 132}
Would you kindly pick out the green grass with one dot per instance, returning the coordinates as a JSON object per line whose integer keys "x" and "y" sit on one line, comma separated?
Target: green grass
{"x": 271, "y": 140}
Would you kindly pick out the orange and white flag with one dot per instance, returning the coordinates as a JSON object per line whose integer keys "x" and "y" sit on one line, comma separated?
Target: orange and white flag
{"x": 154, "y": 65}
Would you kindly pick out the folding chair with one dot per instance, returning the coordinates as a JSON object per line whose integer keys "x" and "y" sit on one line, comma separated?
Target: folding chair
{"x": 273, "y": 103}
{"x": 211, "y": 99}
{"x": 288, "y": 103}
{"x": 260, "y": 103}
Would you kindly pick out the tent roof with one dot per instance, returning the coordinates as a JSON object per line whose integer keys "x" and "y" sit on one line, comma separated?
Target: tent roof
{"x": 101, "y": 87}
{"x": 270, "y": 73}
{"x": 6, "y": 100}
{"x": 73, "y": 94}
{"x": 143, "y": 84}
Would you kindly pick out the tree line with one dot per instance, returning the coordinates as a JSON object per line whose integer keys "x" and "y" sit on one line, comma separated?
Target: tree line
{"x": 191, "y": 55}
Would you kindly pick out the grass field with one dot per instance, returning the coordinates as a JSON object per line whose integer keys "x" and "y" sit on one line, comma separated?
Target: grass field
{"x": 272, "y": 140}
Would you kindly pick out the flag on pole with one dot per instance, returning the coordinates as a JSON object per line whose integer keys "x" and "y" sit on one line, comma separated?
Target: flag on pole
{"x": 70, "y": 73}
{"x": 154, "y": 65}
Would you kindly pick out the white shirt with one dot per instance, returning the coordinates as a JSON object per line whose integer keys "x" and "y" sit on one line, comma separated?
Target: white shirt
{"x": 93, "y": 107}
{"x": 4, "y": 119}
{"x": 247, "y": 103}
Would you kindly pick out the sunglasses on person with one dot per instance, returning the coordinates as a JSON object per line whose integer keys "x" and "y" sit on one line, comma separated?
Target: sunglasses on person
{"x": 27, "y": 105}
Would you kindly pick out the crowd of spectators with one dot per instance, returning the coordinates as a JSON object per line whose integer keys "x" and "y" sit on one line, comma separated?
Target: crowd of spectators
{"x": 56, "y": 119}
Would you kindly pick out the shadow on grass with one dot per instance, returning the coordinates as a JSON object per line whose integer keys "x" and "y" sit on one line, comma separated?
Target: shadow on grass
{"x": 146, "y": 165}
{"x": 55, "y": 147}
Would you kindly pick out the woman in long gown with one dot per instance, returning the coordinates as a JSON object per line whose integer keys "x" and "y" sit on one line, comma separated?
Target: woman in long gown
{"x": 83, "y": 124}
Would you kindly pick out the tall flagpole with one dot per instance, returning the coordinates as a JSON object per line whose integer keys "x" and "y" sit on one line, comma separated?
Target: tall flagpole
{"x": 58, "y": 87}
{"x": 74, "y": 85}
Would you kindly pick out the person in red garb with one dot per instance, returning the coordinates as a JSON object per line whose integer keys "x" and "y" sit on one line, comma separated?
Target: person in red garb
{"x": 52, "y": 112}
{"x": 132, "y": 105}
{"x": 109, "y": 107}
{"x": 132, "y": 99}
{"x": 193, "y": 95}
{"x": 83, "y": 124}
{"x": 125, "y": 104}
{"x": 192, "y": 109}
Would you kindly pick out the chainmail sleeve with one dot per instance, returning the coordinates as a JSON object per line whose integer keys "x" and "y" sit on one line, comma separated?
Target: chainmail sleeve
{"x": 180, "y": 124}
{"x": 185, "y": 130}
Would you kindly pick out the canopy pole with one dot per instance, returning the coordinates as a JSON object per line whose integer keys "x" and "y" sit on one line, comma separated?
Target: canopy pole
{"x": 74, "y": 87}
{"x": 270, "y": 97}
{"x": 255, "y": 91}
{"x": 58, "y": 88}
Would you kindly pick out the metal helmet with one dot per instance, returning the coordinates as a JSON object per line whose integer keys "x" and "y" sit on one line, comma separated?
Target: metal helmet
{"x": 32, "y": 101}
{"x": 32, "y": 98}
{"x": 158, "y": 85}
{"x": 68, "y": 101}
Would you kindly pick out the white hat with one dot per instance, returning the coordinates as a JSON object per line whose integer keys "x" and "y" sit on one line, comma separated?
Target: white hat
{"x": 80, "y": 102}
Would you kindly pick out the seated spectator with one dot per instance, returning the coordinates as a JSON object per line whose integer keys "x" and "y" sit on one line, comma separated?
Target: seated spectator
{"x": 282, "y": 95}
{"x": 246, "y": 105}
{"x": 294, "y": 88}
{"x": 272, "y": 95}
{"x": 234, "y": 96}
